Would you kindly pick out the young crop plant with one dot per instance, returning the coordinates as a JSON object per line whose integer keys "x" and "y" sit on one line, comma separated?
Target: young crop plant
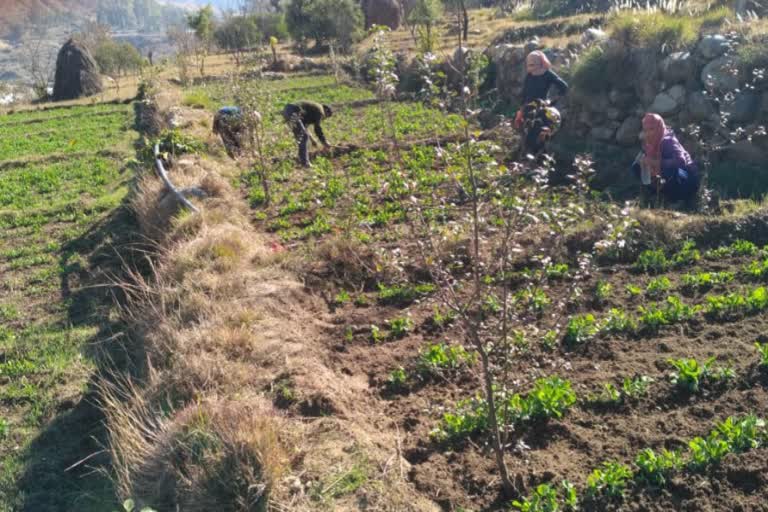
{"x": 737, "y": 248}
{"x": 676, "y": 311}
{"x": 687, "y": 255}
{"x": 690, "y": 373}
{"x": 707, "y": 451}
{"x": 549, "y": 340}
{"x": 762, "y": 349}
{"x": 545, "y": 498}
{"x": 658, "y": 286}
{"x": 399, "y": 327}
{"x": 757, "y": 270}
{"x": 656, "y": 468}
{"x": 580, "y": 329}
{"x": 556, "y": 271}
{"x": 609, "y": 395}
{"x": 618, "y": 321}
{"x": 636, "y": 387}
{"x": 652, "y": 261}
{"x": 397, "y": 379}
{"x": 609, "y": 480}
{"x": 471, "y": 417}
{"x": 742, "y": 434}
{"x": 725, "y": 307}
{"x": 403, "y": 295}
{"x": 633, "y": 290}
{"x": 441, "y": 357}
{"x": 550, "y": 398}
{"x": 603, "y": 291}
{"x": 535, "y": 299}
{"x": 651, "y": 318}
{"x": 705, "y": 280}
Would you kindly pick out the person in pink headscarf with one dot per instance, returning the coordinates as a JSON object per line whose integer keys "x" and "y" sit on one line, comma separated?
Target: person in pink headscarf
{"x": 539, "y": 81}
{"x": 664, "y": 163}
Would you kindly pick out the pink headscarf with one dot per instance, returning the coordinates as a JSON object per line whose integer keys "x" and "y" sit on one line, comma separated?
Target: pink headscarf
{"x": 653, "y": 132}
{"x": 537, "y": 63}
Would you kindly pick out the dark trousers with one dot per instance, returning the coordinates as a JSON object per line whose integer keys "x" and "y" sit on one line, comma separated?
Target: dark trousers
{"x": 679, "y": 184}
{"x": 292, "y": 116}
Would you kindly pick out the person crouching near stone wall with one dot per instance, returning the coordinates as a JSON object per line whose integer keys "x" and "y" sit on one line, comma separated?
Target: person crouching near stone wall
{"x": 663, "y": 165}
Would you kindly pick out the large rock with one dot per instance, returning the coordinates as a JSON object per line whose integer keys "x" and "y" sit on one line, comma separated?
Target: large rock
{"x": 592, "y": 35}
{"x": 721, "y": 74}
{"x": 677, "y": 68}
{"x": 669, "y": 102}
{"x": 713, "y": 46}
{"x": 77, "y": 74}
{"x": 605, "y": 132}
{"x": 700, "y": 107}
{"x": 382, "y": 12}
{"x": 622, "y": 99}
{"x": 510, "y": 69}
{"x": 455, "y": 67}
{"x": 644, "y": 63}
{"x": 744, "y": 108}
{"x": 627, "y": 134}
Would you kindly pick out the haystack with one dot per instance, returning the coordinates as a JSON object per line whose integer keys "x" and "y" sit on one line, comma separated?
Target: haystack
{"x": 77, "y": 74}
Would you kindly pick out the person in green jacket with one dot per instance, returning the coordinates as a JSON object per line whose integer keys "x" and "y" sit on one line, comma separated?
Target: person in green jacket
{"x": 300, "y": 116}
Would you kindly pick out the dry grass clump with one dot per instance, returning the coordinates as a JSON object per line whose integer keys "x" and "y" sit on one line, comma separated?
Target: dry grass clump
{"x": 215, "y": 455}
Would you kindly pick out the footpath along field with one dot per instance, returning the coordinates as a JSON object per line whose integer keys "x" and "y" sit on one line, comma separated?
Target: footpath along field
{"x": 62, "y": 182}
{"x": 633, "y": 376}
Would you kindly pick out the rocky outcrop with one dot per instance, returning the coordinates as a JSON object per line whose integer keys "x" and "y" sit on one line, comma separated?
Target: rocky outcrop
{"x": 77, "y": 74}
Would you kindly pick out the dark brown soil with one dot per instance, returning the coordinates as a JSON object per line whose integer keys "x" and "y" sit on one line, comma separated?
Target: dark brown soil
{"x": 466, "y": 476}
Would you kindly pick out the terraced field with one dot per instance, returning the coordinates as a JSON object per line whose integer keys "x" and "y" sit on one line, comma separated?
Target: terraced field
{"x": 630, "y": 366}
{"x": 62, "y": 182}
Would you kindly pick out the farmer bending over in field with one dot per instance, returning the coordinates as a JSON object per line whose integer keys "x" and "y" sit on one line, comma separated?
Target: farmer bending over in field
{"x": 538, "y": 82}
{"x": 300, "y": 116}
{"x": 229, "y": 124}
{"x": 663, "y": 165}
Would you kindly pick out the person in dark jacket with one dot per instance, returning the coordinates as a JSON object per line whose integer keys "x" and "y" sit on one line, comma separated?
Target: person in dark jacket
{"x": 664, "y": 165}
{"x": 539, "y": 80}
{"x": 229, "y": 124}
{"x": 300, "y": 116}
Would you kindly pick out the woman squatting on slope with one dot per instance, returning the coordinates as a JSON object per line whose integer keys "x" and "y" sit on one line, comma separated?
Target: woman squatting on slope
{"x": 664, "y": 165}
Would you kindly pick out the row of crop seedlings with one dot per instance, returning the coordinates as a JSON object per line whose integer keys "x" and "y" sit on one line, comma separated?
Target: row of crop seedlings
{"x": 611, "y": 479}
{"x": 551, "y": 397}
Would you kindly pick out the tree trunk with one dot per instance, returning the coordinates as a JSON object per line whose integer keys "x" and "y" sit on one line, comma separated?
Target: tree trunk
{"x": 464, "y": 13}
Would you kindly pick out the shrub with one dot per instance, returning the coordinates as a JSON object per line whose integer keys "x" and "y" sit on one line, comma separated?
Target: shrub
{"x": 238, "y": 32}
{"x": 326, "y": 21}
{"x": 658, "y": 29}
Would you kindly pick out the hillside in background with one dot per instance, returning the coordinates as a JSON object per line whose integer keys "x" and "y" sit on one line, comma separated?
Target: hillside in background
{"x": 141, "y": 15}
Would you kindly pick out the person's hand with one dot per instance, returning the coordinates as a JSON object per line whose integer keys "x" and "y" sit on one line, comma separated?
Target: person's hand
{"x": 651, "y": 164}
{"x": 519, "y": 120}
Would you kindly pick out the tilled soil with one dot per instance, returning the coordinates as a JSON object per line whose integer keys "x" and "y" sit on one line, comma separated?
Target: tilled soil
{"x": 465, "y": 475}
